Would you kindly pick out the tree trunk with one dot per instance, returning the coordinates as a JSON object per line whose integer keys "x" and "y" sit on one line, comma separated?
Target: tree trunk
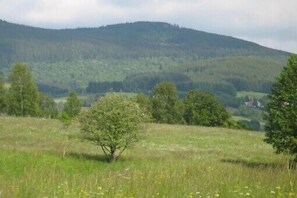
{"x": 113, "y": 154}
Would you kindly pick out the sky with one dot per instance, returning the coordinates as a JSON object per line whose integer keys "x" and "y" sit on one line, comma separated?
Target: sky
{"x": 272, "y": 23}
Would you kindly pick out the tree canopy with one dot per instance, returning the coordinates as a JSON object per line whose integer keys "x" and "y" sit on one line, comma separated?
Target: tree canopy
{"x": 72, "y": 106}
{"x": 48, "y": 106}
{"x": 167, "y": 108}
{"x": 23, "y": 93}
{"x": 203, "y": 108}
{"x": 281, "y": 119}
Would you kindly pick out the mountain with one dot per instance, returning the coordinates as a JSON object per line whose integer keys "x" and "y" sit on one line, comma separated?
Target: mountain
{"x": 71, "y": 58}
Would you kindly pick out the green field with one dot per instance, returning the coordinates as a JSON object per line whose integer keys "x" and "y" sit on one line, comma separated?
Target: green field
{"x": 253, "y": 94}
{"x": 38, "y": 158}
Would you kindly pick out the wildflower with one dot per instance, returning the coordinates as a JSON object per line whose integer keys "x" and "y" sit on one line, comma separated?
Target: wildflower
{"x": 217, "y": 195}
{"x": 272, "y": 192}
{"x": 247, "y": 194}
{"x": 291, "y": 194}
{"x": 278, "y": 187}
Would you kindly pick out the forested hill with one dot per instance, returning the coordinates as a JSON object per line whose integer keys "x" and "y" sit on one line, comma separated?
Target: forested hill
{"x": 140, "y": 39}
{"x": 72, "y": 58}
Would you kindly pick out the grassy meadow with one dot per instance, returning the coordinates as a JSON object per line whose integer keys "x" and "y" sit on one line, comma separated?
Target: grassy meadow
{"x": 38, "y": 158}
{"x": 253, "y": 94}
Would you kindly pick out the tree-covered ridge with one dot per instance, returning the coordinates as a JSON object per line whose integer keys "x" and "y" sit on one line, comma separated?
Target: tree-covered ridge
{"x": 69, "y": 59}
{"x": 140, "y": 39}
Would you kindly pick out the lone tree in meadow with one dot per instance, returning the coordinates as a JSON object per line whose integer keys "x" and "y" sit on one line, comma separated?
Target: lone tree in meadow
{"x": 114, "y": 122}
{"x": 203, "y": 108}
{"x": 23, "y": 94}
{"x": 281, "y": 118}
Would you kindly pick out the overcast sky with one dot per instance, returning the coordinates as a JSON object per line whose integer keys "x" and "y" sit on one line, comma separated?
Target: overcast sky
{"x": 271, "y": 23}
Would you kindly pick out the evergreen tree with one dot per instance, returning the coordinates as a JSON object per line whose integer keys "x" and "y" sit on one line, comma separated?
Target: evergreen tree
{"x": 203, "y": 108}
{"x": 167, "y": 108}
{"x": 281, "y": 119}
{"x": 72, "y": 106}
{"x": 23, "y": 93}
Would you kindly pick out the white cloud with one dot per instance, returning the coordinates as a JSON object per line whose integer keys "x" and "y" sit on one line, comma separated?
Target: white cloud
{"x": 272, "y": 20}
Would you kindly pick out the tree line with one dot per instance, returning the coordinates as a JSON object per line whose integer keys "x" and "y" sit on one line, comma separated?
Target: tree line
{"x": 162, "y": 102}
{"x": 145, "y": 82}
{"x": 22, "y": 97}
{"x": 197, "y": 108}
{"x": 142, "y": 82}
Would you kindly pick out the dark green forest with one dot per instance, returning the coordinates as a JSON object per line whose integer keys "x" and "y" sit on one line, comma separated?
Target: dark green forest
{"x": 136, "y": 56}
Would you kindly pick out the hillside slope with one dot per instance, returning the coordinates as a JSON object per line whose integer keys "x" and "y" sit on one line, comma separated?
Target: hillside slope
{"x": 140, "y": 39}
{"x": 122, "y": 49}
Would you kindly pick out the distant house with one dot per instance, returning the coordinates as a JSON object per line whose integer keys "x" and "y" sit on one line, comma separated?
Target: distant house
{"x": 249, "y": 104}
{"x": 252, "y": 103}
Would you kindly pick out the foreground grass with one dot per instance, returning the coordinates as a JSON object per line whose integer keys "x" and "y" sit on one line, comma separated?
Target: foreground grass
{"x": 40, "y": 159}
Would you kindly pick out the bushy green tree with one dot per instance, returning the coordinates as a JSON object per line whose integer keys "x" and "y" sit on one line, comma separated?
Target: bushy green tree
{"x": 244, "y": 124}
{"x": 23, "y": 93}
{"x": 253, "y": 125}
{"x": 65, "y": 119}
{"x": 249, "y": 112}
{"x": 167, "y": 108}
{"x": 281, "y": 119}
{"x": 113, "y": 122}
{"x": 203, "y": 108}
{"x": 144, "y": 102}
{"x": 72, "y": 106}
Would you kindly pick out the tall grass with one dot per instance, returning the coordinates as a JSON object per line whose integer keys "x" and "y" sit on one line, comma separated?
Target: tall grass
{"x": 172, "y": 161}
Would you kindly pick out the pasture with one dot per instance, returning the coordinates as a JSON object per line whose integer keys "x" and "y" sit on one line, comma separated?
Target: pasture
{"x": 39, "y": 158}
